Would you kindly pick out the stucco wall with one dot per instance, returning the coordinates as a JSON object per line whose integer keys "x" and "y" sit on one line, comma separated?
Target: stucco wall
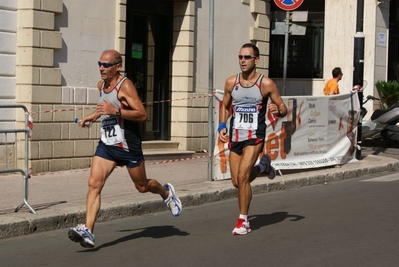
{"x": 86, "y": 33}
{"x": 8, "y": 50}
{"x": 54, "y": 58}
{"x": 232, "y": 24}
{"x": 339, "y": 41}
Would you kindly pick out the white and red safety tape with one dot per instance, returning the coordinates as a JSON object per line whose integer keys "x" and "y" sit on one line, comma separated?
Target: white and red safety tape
{"x": 30, "y": 127}
{"x": 30, "y": 123}
{"x": 149, "y": 163}
{"x": 146, "y": 103}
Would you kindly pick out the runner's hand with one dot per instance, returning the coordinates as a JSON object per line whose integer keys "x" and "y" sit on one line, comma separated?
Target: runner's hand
{"x": 106, "y": 108}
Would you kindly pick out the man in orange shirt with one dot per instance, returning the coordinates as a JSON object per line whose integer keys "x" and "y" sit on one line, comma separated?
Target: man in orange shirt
{"x": 331, "y": 87}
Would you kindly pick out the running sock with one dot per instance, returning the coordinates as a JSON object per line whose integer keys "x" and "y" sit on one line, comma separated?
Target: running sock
{"x": 245, "y": 217}
{"x": 262, "y": 167}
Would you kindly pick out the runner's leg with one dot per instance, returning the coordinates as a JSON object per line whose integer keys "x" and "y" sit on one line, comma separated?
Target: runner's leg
{"x": 143, "y": 185}
{"x": 246, "y": 173}
{"x": 100, "y": 170}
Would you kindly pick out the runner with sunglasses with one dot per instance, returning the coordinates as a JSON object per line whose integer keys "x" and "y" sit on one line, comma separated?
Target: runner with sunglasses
{"x": 120, "y": 111}
{"x": 245, "y": 98}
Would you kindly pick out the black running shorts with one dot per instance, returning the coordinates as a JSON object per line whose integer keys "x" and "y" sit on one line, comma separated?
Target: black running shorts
{"x": 237, "y": 147}
{"x": 119, "y": 155}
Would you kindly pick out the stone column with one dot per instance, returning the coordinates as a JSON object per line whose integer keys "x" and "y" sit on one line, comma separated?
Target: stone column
{"x": 38, "y": 82}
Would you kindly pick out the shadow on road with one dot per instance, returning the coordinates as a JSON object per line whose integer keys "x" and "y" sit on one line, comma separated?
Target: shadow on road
{"x": 258, "y": 221}
{"x": 152, "y": 232}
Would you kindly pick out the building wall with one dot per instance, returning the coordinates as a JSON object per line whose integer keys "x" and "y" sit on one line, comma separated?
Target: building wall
{"x": 235, "y": 23}
{"x": 86, "y": 33}
{"x": 339, "y": 47}
{"x": 190, "y": 75}
{"x": 230, "y": 33}
{"x": 380, "y": 41}
{"x": 38, "y": 86}
{"x": 8, "y": 50}
{"x": 339, "y": 43}
{"x": 58, "y": 46}
{"x": 8, "y": 58}
{"x": 338, "y": 40}
{"x": 51, "y": 47}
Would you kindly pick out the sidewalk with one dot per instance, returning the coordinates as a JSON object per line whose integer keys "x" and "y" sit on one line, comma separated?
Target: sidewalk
{"x": 59, "y": 198}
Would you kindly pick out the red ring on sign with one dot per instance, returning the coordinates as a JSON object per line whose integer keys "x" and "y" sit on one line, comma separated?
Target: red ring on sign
{"x": 288, "y": 5}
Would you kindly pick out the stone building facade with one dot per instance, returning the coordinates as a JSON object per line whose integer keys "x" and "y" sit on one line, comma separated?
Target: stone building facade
{"x": 49, "y": 50}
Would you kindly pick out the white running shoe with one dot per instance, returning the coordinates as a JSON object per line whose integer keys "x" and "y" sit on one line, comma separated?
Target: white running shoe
{"x": 266, "y": 161}
{"x": 173, "y": 202}
{"x": 81, "y": 234}
{"x": 242, "y": 227}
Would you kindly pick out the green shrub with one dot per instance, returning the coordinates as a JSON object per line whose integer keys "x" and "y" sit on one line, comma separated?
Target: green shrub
{"x": 388, "y": 92}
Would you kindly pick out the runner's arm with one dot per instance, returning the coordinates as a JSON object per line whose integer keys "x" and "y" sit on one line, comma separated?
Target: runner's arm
{"x": 277, "y": 106}
{"x": 128, "y": 96}
{"x": 225, "y": 108}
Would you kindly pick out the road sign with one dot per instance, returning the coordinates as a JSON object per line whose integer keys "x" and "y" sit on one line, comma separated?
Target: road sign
{"x": 297, "y": 22}
{"x": 288, "y": 5}
{"x": 278, "y": 28}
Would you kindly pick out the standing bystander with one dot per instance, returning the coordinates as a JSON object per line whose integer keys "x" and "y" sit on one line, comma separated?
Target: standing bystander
{"x": 331, "y": 87}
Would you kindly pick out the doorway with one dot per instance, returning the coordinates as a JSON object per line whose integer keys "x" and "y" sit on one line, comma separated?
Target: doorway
{"x": 148, "y": 60}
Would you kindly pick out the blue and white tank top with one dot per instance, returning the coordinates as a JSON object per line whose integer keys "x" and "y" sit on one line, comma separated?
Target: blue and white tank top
{"x": 116, "y": 131}
{"x": 248, "y": 111}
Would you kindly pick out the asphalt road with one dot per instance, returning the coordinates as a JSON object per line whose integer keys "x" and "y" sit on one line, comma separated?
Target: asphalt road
{"x": 348, "y": 223}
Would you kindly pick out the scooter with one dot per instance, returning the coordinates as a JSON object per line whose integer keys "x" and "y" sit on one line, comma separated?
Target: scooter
{"x": 382, "y": 124}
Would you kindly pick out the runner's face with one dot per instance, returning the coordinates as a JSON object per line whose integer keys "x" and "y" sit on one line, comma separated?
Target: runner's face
{"x": 247, "y": 65}
{"x": 108, "y": 72}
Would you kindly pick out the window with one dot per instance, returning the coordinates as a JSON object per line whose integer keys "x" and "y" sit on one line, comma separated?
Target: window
{"x": 305, "y": 52}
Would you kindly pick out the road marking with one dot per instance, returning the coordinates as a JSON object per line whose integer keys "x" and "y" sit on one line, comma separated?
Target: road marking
{"x": 385, "y": 178}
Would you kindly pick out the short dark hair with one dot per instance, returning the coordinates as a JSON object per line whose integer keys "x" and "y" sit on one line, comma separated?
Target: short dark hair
{"x": 336, "y": 71}
{"x": 118, "y": 59}
{"x": 116, "y": 55}
{"x": 254, "y": 48}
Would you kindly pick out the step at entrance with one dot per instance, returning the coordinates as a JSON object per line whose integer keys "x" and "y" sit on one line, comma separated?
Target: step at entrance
{"x": 164, "y": 150}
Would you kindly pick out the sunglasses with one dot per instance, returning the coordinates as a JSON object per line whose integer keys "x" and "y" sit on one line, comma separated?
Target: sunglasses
{"x": 246, "y": 57}
{"x": 106, "y": 64}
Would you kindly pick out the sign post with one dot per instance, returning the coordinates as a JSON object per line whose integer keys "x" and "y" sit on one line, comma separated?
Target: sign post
{"x": 358, "y": 67}
{"x": 287, "y": 5}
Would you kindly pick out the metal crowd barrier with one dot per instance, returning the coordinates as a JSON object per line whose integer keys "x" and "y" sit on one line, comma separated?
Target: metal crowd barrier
{"x": 25, "y": 171}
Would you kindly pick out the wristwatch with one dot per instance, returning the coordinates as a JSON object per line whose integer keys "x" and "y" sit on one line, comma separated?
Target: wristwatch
{"x": 118, "y": 112}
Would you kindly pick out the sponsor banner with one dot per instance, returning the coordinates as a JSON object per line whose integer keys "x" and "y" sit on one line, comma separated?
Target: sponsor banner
{"x": 317, "y": 131}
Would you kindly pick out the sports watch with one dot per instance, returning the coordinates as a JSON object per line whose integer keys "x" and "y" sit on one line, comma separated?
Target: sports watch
{"x": 118, "y": 112}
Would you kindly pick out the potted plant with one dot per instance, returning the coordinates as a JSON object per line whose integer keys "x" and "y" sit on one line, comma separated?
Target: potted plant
{"x": 388, "y": 92}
